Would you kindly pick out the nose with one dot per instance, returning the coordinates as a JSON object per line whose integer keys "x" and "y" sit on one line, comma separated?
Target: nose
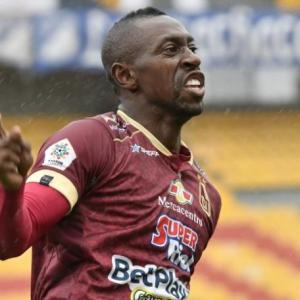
{"x": 190, "y": 59}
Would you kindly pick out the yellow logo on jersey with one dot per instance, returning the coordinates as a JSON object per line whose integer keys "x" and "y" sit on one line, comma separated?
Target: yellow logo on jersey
{"x": 141, "y": 294}
{"x": 180, "y": 193}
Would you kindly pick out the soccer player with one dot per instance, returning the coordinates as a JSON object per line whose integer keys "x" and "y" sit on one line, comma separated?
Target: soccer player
{"x": 115, "y": 206}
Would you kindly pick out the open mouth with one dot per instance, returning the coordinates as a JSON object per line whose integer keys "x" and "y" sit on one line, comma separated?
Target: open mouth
{"x": 195, "y": 86}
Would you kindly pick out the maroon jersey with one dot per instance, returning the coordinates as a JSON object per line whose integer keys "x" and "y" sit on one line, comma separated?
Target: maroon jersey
{"x": 140, "y": 216}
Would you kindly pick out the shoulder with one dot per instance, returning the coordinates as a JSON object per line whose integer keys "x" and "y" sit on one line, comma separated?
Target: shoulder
{"x": 88, "y": 127}
{"x": 85, "y": 139}
{"x": 83, "y": 132}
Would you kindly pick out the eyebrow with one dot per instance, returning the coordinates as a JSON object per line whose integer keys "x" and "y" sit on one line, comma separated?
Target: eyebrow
{"x": 176, "y": 38}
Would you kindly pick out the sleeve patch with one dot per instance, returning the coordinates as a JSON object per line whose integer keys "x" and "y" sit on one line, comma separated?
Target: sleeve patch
{"x": 46, "y": 179}
{"x": 59, "y": 155}
{"x": 57, "y": 181}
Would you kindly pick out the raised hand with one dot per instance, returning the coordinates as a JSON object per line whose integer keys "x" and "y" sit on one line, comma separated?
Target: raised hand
{"x": 15, "y": 158}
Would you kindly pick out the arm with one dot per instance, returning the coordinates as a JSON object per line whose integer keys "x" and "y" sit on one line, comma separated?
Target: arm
{"x": 26, "y": 211}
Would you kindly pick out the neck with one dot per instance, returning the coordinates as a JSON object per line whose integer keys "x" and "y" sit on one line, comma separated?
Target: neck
{"x": 165, "y": 127}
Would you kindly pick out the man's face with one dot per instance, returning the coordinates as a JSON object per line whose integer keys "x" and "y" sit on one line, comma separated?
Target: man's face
{"x": 167, "y": 67}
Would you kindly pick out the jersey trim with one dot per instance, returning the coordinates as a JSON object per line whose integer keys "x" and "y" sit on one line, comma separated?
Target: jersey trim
{"x": 191, "y": 161}
{"x": 59, "y": 182}
{"x": 126, "y": 137}
{"x": 150, "y": 136}
{"x": 146, "y": 132}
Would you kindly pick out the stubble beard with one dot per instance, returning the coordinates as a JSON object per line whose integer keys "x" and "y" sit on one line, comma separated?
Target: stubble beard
{"x": 180, "y": 110}
{"x": 186, "y": 108}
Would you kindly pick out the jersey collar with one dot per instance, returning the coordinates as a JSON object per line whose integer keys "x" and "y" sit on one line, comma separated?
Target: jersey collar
{"x": 158, "y": 145}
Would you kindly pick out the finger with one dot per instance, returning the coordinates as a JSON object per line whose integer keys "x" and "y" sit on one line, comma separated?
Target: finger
{"x": 12, "y": 181}
{"x": 15, "y": 135}
{"x": 9, "y": 167}
{"x": 8, "y": 145}
{"x": 16, "y": 148}
{"x": 9, "y": 156}
{"x": 2, "y": 130}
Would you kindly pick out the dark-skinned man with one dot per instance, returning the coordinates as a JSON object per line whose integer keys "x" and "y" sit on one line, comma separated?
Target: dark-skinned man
{"x": 115, "y": 206}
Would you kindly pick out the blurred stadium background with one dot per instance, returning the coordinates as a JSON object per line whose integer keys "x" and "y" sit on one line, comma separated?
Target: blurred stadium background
{"x": 247, "y": 140}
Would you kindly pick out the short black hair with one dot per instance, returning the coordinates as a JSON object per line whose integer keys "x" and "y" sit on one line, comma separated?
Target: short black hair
{"x": 121, "y": 43}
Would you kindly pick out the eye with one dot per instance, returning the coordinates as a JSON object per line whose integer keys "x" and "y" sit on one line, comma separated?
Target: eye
{"x": 171, "y": 49}
{"x": 193, "y": 48}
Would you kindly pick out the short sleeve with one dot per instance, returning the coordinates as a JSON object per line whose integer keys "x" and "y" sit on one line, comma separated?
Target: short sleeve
{"x": 75, "y": 157}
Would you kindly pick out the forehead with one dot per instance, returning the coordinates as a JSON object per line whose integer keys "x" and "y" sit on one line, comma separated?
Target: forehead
{"x": 161, "y": 27}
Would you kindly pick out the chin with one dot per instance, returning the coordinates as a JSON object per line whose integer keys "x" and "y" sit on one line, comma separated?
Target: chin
{"x": 191, "y": 108}
{"x": 187, "y": 111}
{"x": 195, "y": 111}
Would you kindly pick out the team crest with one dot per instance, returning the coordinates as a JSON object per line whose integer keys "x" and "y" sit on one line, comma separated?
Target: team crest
{"x": 59, "y": 155}
{"x": 204, "y": 198}
{"x": 180, "y": 193}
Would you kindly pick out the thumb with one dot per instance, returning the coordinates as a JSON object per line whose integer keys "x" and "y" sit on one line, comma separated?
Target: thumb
{"x": 15, "y": 135}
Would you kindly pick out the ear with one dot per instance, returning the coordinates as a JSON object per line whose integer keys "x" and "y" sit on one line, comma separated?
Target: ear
{"x": 124, "y": 76}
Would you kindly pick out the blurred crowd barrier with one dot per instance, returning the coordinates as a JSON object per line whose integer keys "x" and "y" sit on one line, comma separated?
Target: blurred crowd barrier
{"x": 250, "y": 56}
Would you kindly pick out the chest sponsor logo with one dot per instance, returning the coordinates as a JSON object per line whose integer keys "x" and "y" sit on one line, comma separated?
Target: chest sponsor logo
{"x": 174, "y": 236}
{"x": 162, "y": 201}
{"x": 151, "y": 278}
{"x": 181, "y": 195}
{"x": 59, "y": 155}
{"x": 139, "y": 149}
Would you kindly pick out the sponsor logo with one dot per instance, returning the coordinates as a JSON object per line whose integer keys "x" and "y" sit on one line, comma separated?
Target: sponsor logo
{"x": 162, "y": 201}
{"x": 140, "y": 294}
{"x": 139, "y": 149}
{"x": 181, "y": 195}
{"x": 156, "y": 280}
{"x": 173, "y": 235}
{"x": 170, "y": 228}
{"x": 59, "y": 155}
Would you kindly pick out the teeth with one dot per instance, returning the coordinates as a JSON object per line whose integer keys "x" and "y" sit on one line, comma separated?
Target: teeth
{"x": 193, "y": 82}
